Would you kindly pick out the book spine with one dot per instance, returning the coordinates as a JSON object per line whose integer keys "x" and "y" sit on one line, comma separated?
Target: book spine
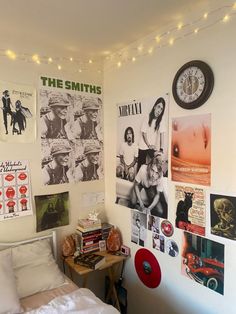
{"x": 87, "y": 233}
{"x": 92, "y": 237}
{"x": 84, "y": 230}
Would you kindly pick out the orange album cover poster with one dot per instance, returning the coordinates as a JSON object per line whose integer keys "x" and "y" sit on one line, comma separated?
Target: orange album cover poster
{"x": 191, "y": 149}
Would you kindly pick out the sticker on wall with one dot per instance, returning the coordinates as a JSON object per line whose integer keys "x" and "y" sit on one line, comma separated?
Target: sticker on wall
{"x": 52, "y": 210}
{"x": 138, "y": 227}
{"x": 167, "y": 228}
{"x": 203, "y": 261}
{"x": 153, "y": 223}
{"x": 147, "y": 268}
{"x": 191, "y": 149}
{"x": 15, "y": 189}
{"x": 223, "y": 216}
{"x": 18, "y": 118}
{"x": 158, "y": 242}
{"x": 71, "y": 131}
{"x": 190, "y": 209}
{"x": 172, "y": 248}
{"x": 142, "y": 155}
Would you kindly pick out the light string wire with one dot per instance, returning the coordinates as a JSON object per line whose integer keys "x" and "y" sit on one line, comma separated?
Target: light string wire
{"x": 154, "y": 42}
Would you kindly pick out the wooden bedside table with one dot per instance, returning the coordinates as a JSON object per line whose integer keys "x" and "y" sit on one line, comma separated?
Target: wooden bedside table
{"x": 112, "y": 263}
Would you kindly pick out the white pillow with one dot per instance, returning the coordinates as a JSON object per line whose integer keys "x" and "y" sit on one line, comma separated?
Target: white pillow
{"x": 35, "y": 268}
{"x": 9, "y": 301}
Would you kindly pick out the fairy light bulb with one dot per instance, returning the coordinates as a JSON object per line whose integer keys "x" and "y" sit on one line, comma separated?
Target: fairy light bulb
{"x": 226, "y": 18}
{"x": 133, "y": 59}
{"x": 140, "y": 48}
{"x": 180, "y": 25}
{"x": 196, "y": 30}
{"x": 205, "y": 15}
{"x": 59, "y": 67}
{"x": 150, "y": 50}
{"x": 35, "y": 58}
{"x": 158, "y": 39}
{"x": 50, "y": 60}
{"x": 171, "y": 41}
{"x": 11, "y": 54}
{"x": 119, "y": 64}
{"x": 90, "y": 61}
{"x": 71, "y": 59}
{"x": 80, "y": 71}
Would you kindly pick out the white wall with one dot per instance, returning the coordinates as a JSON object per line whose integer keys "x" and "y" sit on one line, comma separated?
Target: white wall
{"x": 25, "y": 227}
{"x": 153, "y": 76}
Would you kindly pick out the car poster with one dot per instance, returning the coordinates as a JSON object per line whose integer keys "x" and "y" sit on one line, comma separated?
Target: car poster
{"x": 190, "y": 207}
{"x": 191, "y": 149}
{"x": 15, "y": 189}
{"x": 203, "y": 261}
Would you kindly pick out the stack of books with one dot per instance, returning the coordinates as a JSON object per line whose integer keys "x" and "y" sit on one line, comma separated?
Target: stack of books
{"x": 89, "y": 234}
{"x": 90, "y": 260}
{"x": 106, "y": 228}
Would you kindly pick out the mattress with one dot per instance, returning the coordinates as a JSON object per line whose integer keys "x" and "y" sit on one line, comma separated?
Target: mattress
{"x": 36, "y": 300}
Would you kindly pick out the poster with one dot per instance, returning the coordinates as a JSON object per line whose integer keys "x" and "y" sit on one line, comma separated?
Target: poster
{"x": 203, "y": 261}
{"x": 138, "y": 228}
{"x": 223, "y": 215}
{"x": 158, "y": 242}
{"x": 52, "y": 210}
{"x": 17, "y": 117}
{"x": 191, "y": 149}
{"x": 153, "y": 223}
{"x": 71, "y": 131}
{"x": 190, "y": 207}
{"x": 142, "y": 155}
{"x": 15, "y": 189}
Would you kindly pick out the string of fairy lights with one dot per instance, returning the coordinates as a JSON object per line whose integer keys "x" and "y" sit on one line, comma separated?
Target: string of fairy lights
{"x": 145, "y": 47}
{"x": 156, "y": 41}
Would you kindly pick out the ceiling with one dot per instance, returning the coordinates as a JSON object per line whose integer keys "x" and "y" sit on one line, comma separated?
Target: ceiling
{"x": 87, "y": 28}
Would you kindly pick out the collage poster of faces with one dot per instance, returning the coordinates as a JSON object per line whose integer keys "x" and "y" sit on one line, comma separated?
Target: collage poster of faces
{"x": 17, "y": 117}
{"x": 142, "y": 155}
{"x": 71, "y": 136}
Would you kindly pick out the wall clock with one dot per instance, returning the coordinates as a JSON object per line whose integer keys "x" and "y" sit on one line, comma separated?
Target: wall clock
{"x": 193, "y": 84}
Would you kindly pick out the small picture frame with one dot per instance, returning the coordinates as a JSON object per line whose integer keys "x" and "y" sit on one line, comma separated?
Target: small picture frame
{"x": 102, "y": 245}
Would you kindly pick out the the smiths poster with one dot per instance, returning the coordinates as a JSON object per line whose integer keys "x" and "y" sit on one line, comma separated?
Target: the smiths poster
{"x": 190, "y": 207}
{"x": 71, "y": 131}
{"x": 17, "y": 117}
{"x": 15, "y": 189}
{"x": 191, "y": 149}
{"x": 142, "y": 155}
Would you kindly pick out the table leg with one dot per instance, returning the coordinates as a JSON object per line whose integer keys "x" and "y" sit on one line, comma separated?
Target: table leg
{"x": 112, "y": 288}
{"x": 85, "y": 280}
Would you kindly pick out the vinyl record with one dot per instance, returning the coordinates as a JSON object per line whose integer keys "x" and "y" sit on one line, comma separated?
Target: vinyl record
{"x": 147, "y": 268}
{"x": 167, "y": 228}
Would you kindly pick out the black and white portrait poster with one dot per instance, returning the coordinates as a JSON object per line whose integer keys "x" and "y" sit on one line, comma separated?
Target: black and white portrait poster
{"x": 223, "y": 215}
{"x": 142, "y": 155}
{"x": 17, "y": 117}
{"x": 71, "y": 131}
{"x": 15, "y": 189}
{"x": 138, "y": 228}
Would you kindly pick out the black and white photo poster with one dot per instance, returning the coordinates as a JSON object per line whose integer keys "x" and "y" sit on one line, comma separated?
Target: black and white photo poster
{"x": 17, "y": 117}
{"x": 142, "y": 155}
{"x": 71, "y": 131}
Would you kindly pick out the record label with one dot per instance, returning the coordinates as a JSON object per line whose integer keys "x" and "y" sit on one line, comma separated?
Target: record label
{"x": 147, "y": 268}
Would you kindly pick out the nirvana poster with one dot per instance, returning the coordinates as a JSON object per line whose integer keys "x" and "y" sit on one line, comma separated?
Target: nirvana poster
{"x": 142, "y": 155}
{"x": 18, "y": 118}
{"x": 203, "y": 261}
{"x": 191, "y": 149}
{"x": 71, "y": 131}
{"x": 223, "y": 216}
{"x": 52, "y": 210}
{"x": 15, "y": 189}
{"x": 190, "y": 207}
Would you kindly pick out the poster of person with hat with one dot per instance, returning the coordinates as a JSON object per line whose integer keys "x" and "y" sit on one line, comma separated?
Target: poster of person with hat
{"x": 142, "y": 155}
{"x": 18, "y": 118}
{"x": 71, "y": 136}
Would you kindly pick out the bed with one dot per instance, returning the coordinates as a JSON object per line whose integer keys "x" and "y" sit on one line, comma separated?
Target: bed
{"x": 31, "y": 282}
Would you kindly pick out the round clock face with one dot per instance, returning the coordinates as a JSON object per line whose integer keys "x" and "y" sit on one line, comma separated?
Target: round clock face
{"x": 193, "y": 84}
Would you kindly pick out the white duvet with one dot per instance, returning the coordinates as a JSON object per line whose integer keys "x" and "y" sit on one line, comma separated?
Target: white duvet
{"x": 81, "y": 301}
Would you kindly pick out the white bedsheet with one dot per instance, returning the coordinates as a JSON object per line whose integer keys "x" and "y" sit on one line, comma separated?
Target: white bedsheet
{"x": 81, "y": 301}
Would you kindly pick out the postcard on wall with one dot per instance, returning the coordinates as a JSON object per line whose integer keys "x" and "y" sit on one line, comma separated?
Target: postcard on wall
{"x": 203, "y": 261}
{"x": 138, "y": 228}
{"x": 18, "y": 117}
{"x": 15, "y": 189}
{"x": 190, "y": 207}
{"x": 158, "y": 242}
{"x": 191, "y": 149}
{"x": 71, "y": 131}
{"x": 142, "y": 155}
{"x": 52, "y": 210}
{"x": 223, "y": 215}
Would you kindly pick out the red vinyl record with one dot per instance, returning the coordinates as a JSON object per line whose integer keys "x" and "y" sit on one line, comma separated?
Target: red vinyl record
{"x": 147, "y": 268}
